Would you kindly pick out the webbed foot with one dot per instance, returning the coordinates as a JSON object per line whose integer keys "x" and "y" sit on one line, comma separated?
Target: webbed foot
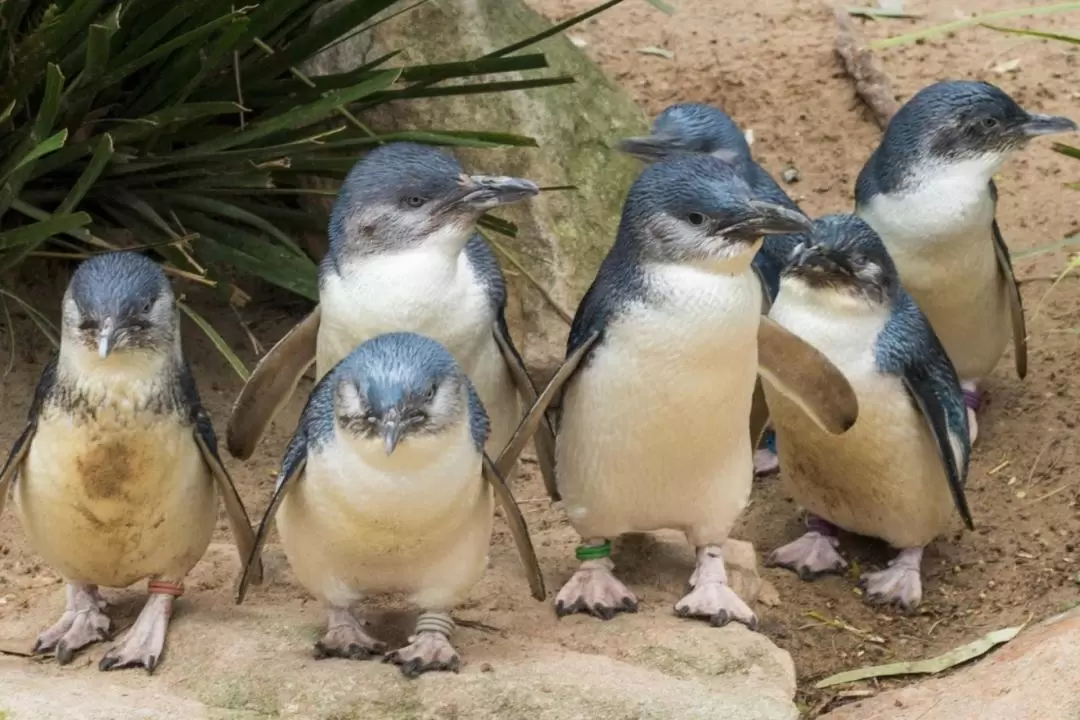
{"x": 143, "y": 644}
{"x": 711, "y": 596}
{"x": 595, "y": 590}
{"x": 82, "y": 624}
{"x": 811, "y": 555}
{"x": 900, "y": 584}
{"x": 345, "y": 638}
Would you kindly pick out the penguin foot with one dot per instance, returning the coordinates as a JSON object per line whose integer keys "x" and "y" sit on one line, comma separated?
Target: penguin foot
{"x": 973, "y": 398}
{"x": 427, "y": 650}
{"x": 811, "y": 555}
{"x": 595, "y": 590}
{"x": 765, "y": 462}
{"x": 900, "y": 584}
{"x": 144, "y": 642}
{"x": 82, "y": 624}
{"x": 718, "y": 603}
{"x": 345, "y": 638}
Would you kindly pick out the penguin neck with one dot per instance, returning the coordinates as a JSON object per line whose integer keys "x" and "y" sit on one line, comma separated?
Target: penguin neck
{"x": 129, "y": 378}
{"x": 413, "y": 453}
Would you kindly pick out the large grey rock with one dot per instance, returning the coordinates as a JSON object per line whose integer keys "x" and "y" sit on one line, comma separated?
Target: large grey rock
{"x": 563, "y": 235}
{"x": 1034, "y": 677}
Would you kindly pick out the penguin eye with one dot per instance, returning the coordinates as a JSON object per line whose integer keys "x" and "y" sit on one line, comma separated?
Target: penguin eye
{"x": 430, "y": 394}
{"x": 695, "y": 219}
{"x": 414, "y": 201}
{"x": 147, "y": 306}
{"x": 989, "y": 123}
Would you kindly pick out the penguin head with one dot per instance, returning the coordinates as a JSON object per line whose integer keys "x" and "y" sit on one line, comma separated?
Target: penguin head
{"x": 403, "y": 195}
{"x": 690, "y": 128}
{"x": 956, "y": 121}
{"x": 697, "y": 209}
{"x": 119, "y": 302}
{"x": 399, "y": 389}
{"x": 845, "y": 260}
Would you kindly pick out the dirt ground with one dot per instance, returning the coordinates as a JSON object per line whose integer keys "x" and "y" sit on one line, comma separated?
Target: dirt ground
{"x": 770, "y": 65}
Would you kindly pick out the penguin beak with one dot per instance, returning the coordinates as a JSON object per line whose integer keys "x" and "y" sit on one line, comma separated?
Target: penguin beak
{"x": 651, "y": 148}
{"x": 483, "y": 192}
{"x": 760, "y": 218}
{"x": 391, "y": 433}
{"x": 106, "y": 337}
{"x": 1047, "y": 125}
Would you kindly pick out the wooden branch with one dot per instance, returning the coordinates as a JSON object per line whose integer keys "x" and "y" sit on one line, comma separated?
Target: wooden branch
{"x": 872, "y": 85}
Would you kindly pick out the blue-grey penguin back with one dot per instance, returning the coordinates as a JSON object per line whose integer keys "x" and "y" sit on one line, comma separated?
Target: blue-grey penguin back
{"x": 390, "y": 366}
{"x": 118, "y": 283}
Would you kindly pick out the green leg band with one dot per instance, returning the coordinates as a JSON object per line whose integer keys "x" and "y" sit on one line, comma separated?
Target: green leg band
{"x": 593, "y": 552}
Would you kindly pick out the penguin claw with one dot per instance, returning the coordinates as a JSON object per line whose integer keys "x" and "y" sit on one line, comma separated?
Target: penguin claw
{"x": 428, "y": 652}
{"x": 812, "y": 555}
{"x": 143, "y": 644}
{"x": 597, "y": 592}
{"x": 718, "y": 603}
{"x": 82, "y": 624}
{"x": 346, "y": 639}
{"x": 899, "y": 585}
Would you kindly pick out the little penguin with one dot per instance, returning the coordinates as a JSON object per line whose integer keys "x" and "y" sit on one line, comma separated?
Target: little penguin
{"x": 898, "y": 473}
{"x": 928, "y": 191}
{"x": 385, "y": 487}
{"x": 117, "y": 474}
{"x": 661, "y": 363}
{"x": 698, "y": 128}
{"x": 405, "y": 256}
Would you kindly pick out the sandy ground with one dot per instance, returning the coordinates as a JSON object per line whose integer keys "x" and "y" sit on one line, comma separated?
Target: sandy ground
{"x": 770, "y": 65}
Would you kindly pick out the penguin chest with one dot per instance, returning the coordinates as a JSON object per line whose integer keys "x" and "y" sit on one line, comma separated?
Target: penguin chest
{"x": 116, "y": 497}
{"x": 654, "y": 429}
{"x": 940, "y": 238}
{"x": 430, "y": 294}
{"x": 883, "y": 477}
{"x": 420, "y": 291}
{"x": 418, "y": 521}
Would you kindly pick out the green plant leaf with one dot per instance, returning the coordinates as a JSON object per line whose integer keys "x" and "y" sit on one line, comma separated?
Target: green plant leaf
{"x": 973, "y": 20}
{"x": 301, "y": 116}
{"x": 1034, "y": 33}
{"x": 219, "y": 342}
{"x": 1067, "y": 150}
{"x": 38, "y": 232}
{"x": 231, "y": 211}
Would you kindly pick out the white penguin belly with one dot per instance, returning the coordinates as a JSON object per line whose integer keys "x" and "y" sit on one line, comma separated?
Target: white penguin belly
{"x": 418, "y": 522}
{"x": 654, "y": 429}
{"x": 882, "y": 478}
{"x": 426, "y": 292}
{"x": 940, "y": 239}
{"x": 117, "y": 498}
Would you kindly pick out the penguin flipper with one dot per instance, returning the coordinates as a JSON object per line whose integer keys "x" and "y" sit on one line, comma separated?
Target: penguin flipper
{"x": 292, "y": 469}
{"x": 270, "y": 386}
{"x": 1012, "y": 288}
{"x": 545, "y": 436}
{"x": 518, "y": 529}
{"x": 14, "y": 462}
{"x": 529, "y": 424}
{"x": 239, "y": 523}
{"x": 803, "y": 373}
{"x": 22, "y": 443}
{"x": 759, "y": 415}
{"x": 950, "y": 445}
{"x": 1016, "y": 306}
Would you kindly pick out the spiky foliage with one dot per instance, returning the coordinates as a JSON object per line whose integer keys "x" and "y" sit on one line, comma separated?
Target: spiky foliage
{"x": 185, "y": 128}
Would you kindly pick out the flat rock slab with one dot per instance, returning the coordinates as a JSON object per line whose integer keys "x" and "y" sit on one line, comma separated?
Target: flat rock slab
{"x": 255, "y": 661}
{"x": 1034, "y": 677}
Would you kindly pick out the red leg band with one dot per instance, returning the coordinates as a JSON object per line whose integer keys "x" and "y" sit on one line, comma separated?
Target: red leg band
{"x": 160, "y": 587}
